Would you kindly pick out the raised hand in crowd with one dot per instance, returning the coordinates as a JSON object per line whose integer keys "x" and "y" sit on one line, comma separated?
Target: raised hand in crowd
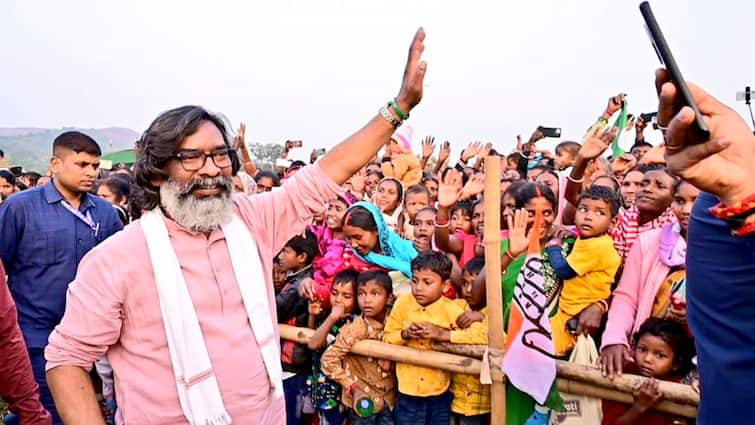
{"x": 313, "y": 156}
{"x": 428, "y": 146}
{"x": 475, "y": 185}
{"x": 238, "y": 139}
{"x": 449, "y": 191}
{"x": 315, "y": 307}
{"x": 722, "y": 165}
{"x": 596, "y": 143}
{"x": 359, "y": 182}
{"x": 443, "y": 155}
{"x": 307, "y": 289}
{"x": 519, "y": 145}
{"x": 519, "y": 237}
{"x": 613, "y": 106}
{"x": 471, "y": 151}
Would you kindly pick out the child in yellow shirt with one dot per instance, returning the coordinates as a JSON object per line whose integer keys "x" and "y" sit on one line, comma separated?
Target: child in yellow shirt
{"x": 415, "y": 320}
{"x": 589, "y": 270}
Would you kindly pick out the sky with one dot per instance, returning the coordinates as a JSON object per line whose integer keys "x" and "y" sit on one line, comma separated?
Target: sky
{"x": 318, "y": 70}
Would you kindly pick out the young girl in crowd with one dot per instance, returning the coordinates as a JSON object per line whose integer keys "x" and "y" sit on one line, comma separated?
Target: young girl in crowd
{"x": 653, "y": 282}
{"x": 326, "y": 394}
{"x": 374, "y": 243}
{"x": 662, "y": 351}
{"x": 369, "y": 384}
{"x": 388, "y": 198}
{"x": 415, "y": 198}
{"x": 462, "y": 245}
{"x": 399, "y": 162}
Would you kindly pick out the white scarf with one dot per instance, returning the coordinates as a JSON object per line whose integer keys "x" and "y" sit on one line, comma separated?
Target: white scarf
{"x": 198, "y": 391}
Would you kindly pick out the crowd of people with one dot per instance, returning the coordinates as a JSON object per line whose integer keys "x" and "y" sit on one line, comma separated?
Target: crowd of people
{"x": 170, "y": 319}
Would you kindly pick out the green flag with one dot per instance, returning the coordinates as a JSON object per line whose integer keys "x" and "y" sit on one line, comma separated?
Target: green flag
{"x": 621, "y": 124}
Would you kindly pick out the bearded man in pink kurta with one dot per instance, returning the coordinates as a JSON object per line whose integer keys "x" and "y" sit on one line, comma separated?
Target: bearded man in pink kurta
{"x": 114, "y": 304}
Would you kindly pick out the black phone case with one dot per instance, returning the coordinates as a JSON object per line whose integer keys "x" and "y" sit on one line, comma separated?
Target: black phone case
{"x": 667, "y": 59}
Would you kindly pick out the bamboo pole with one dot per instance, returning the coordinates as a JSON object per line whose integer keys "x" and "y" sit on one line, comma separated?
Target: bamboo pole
{"x": 397, "y": 353}
{"x": 580, "y": 388}
{"x": 470, "y": 366}
{"x": 496, "y": 338}
{"x": 672, "y": 391}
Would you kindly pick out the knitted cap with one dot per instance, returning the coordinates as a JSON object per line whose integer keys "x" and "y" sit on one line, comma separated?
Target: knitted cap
{"x": 403, "y": 135}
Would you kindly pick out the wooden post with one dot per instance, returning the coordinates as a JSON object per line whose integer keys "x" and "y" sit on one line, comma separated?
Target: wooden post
{"x": 496, "y": 339}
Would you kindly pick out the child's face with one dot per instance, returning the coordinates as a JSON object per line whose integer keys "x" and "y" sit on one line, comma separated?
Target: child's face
{"x": 290, "y": 261}
{"x": 653, "y": 356}
{"x": 473, "y": 293}
{"x": 432, "y": 187}
{"x": 361, "y": 240}
{"x": 563, "y": 159}
{"x": 478, "y": 219}
{"x": 460, "y": 222}
{"x": 372, "y": 299}
{"x": 424, "y": 225}
{"x": 549, "y": 180}
{"x": 684, "y": 200}
{"x": 334, "y": 216}
{"x": 394, "y": 148}
{"x": 508, "y": 206}
{"x": 279, "y": 277}
{"x": 427, "y": 286}
{"x": 371, "y": 183}
{"x": 343, "y": 294}
{"x": 593, "y": 217}
{"x": 415, "y": 202}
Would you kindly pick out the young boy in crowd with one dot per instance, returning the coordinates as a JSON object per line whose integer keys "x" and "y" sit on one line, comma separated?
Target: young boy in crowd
{"x": 415, "y": 320}
{"x": 471, "y": 403}
{"x": 369, "y": 385}
{"x": 424, "y": 229}
{"x": 399, "y": 162}
{"x": 589, "y": 270}
{"x": 415, "y": 198}
{"x": 295, "y": 259}
{"x": 566, "y": 155}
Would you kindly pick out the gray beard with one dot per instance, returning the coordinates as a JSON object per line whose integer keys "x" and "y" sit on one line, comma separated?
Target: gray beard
{"x": 198, "y": 214}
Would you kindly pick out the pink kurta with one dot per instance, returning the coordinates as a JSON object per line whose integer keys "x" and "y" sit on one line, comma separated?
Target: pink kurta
{"x": 113, "y": 308}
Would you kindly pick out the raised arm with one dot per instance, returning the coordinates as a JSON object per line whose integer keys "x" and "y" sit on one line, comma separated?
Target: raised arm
{"x": 597, "y": 141}
{"x": 353, "y": 153}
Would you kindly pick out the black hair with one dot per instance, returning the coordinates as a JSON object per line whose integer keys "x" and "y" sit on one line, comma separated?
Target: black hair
{"x": 514, "y": 188}
{"x": 601, "y": 193}
{"x": 377, "y": 173}
{"x": 361, "y": 218}
{"x": 678, "y": 184}
{"x": 568, "y": 146}
{"x": 513, "y": 157}
{"x": 274, "y": 177}
{"x": 33, "y": 177}
{"x": 672, "y": 333}
{"x": 119, "y": 186}
{"x": 381, "y": 277}
{"x": 21, "y": 186}
{"x": 399, "y": 187}
{"x": 466, "y": 207}
{"x": 77, "y": 142}
{"x": 436, "y": 262}
{"x": 347, "y": 276}
{"x": 159, "y": 143}
{"x": 427, "y": 176}
{"x": 2, "y": 153}
{"x": 475, "y": 265}
{"x": 549, "y": 171}
{"x": 429, "y": 209}
{"x": 616, "y": 184}
{"x": 640, "y": 144}
{"x": 306, "y": 244}
{"x": 8, "y": 176}
{"x": 416, "y": 189}
{"x": 533, "y": 190}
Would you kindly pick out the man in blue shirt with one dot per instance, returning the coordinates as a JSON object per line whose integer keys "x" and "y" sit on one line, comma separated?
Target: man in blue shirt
{"x": 45, "y": 233}
{"x": 720, "y": 247}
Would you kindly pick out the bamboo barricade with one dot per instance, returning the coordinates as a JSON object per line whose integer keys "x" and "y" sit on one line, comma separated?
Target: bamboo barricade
{"x": 494, "y": 296}
{"x": 587, "y": 382}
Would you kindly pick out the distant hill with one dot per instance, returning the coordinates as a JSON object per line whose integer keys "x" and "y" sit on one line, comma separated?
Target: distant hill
{"x": 32, "y": 147}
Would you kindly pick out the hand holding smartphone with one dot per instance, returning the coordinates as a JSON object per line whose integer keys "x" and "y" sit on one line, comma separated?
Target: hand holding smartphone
{"x": 668, "y": 61}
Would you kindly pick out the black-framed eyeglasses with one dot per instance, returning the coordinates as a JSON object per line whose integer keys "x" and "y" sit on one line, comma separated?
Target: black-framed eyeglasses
{"x": 193, "y": 160}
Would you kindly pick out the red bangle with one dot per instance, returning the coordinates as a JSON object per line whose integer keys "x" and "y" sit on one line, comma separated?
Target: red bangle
{"x": 442, "y": 222}
{"x": 740, "y": 208}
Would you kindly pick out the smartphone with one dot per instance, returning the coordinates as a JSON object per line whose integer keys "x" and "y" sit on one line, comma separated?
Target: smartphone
{"x": 648, "y": 117}
{"x": 294, "y": 143}
{"x": 667, "y": 60}
{"x": 550, "y": 131}
{"x": 320, "y": 152}
{"x": 572, "y": 325}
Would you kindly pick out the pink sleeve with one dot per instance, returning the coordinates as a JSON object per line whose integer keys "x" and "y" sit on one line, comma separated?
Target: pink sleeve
{"x": 284, "y": 212}
{"x": 626, "y": 298}
{"x": 93, "y": 316}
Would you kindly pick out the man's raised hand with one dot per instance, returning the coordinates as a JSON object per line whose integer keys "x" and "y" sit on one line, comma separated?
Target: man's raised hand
{"x": 411, "y": 90}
